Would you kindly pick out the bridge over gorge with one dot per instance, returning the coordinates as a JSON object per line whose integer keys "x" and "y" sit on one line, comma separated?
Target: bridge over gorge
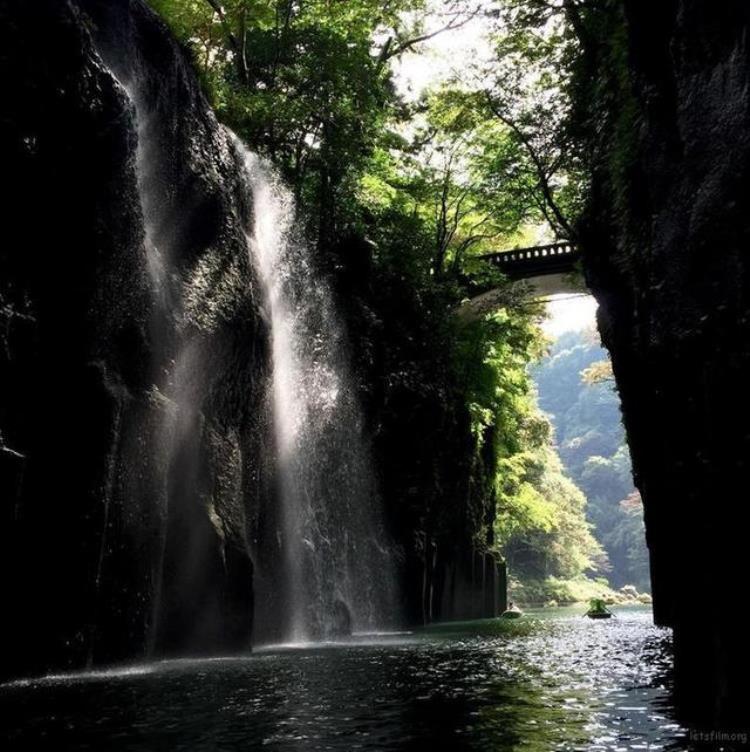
{"x": 547, "y": 269}
{"x": 536, "y": 261}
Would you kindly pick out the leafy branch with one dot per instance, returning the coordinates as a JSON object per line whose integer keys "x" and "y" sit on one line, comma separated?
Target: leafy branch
{"x": 549, "y": 206}
{"x": 395, "y": 46}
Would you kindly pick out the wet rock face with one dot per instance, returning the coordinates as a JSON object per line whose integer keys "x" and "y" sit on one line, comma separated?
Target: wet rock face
{"x": 667, "y": 244}
{"x": 132, "y": 379}
{"x": 342, "y": 620}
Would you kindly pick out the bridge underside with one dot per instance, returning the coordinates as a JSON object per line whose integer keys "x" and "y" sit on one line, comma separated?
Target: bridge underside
{"x": 539, "y": 272}
{"x": 538, "y": 288}
{"x": 547, "y": 285}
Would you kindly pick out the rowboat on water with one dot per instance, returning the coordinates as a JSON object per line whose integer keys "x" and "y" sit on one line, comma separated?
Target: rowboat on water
{"x": 512, "y": 612}
{"x": 598, "y": 610}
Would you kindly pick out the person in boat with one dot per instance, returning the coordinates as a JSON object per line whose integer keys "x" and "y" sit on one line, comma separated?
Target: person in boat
{"x": 597, "y": 606}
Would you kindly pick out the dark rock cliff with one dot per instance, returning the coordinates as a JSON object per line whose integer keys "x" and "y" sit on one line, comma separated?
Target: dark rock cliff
{"x": 667, "y": 244}
{"x": 438, "y": 494}
{"x": 133, "y": 357}
{"x": 139, "y": 514}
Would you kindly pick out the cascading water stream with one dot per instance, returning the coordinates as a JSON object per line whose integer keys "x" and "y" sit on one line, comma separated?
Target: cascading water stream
{"x": 174, "y": 365}
{"x": 338, "y": 566}
{"x": 333, "y": 568}
{"x": 175, "y": 422}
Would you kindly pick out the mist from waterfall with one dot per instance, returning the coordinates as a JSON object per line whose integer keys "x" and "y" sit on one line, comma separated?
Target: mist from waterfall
{"x": 338, "y": 565}
{"x": 332, "y": 570}
{"x": 177, "y": 369}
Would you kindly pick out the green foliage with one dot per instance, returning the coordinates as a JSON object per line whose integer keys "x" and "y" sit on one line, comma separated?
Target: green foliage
{"x": 540, "y": 525}
{"x": 298, "y": 81}
{"x": 526, "y": 92}
{"x": 542, "y": 528}
{"x": 591, "y": 443}
{"x": 553, "y": 591}
{"x": 400, "y": 200}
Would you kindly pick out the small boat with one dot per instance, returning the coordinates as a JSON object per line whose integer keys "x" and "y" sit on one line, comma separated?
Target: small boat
{"x": 597, "y": 609}
{"x": 512, "y": 613}
{"x": 599, "y": 614}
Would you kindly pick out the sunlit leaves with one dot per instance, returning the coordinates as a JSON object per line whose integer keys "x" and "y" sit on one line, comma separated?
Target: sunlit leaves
{"x": 478, "y": 165}
{"x": 598, "y": 372}
{"x": 541, "y": 526}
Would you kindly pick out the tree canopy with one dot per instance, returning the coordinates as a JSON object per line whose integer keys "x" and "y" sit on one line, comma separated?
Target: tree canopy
{"x": 400, "y": 195}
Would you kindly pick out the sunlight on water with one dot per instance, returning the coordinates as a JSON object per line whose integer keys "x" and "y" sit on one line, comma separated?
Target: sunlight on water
{"x": 550, "y": 681}
{"x": 84, "y": 676}
{"x": 357, "y": 639}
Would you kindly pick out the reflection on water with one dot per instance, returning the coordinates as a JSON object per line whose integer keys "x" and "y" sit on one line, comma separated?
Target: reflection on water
{"x": 548, "y": 682}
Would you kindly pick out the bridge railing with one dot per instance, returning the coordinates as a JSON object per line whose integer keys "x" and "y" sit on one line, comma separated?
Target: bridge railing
{"x": 564, "y": 251}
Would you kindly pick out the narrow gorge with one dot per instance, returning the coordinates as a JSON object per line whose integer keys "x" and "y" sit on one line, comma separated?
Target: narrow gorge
{"x": 244, "y": 413}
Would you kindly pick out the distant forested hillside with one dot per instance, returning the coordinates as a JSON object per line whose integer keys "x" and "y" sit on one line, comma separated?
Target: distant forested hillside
{"x": 590, "y": 438}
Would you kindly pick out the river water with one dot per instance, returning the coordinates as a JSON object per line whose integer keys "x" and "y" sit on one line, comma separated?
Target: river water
{"x": 550, "y": 681}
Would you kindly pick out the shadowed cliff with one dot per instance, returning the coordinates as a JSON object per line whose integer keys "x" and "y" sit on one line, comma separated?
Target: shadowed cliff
{"x": 140, "y": 508}
{"x": 666, "y": 246}
{"x": 133, "y": 372}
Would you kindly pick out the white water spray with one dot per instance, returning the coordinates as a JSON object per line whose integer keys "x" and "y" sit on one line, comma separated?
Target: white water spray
{"x": 338, "y": 566}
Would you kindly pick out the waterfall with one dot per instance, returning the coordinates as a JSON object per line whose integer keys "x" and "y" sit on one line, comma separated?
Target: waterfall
{"x": 338, "y": 568}
{"x": 170, "y": 427}
{"x": 150, "y": 193}
{"x": 329, "y": 566}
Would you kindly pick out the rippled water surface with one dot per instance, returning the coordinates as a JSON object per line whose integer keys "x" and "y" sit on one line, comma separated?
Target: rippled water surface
{"x": 546, "y": 682}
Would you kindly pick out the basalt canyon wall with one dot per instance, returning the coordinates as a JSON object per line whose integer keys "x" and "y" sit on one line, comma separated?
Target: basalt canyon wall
{"x": 142, "y": 512}
{"x": 134, "y": 356}
{"x": 666, "y": 87}
{"x": 438, "y": 490}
